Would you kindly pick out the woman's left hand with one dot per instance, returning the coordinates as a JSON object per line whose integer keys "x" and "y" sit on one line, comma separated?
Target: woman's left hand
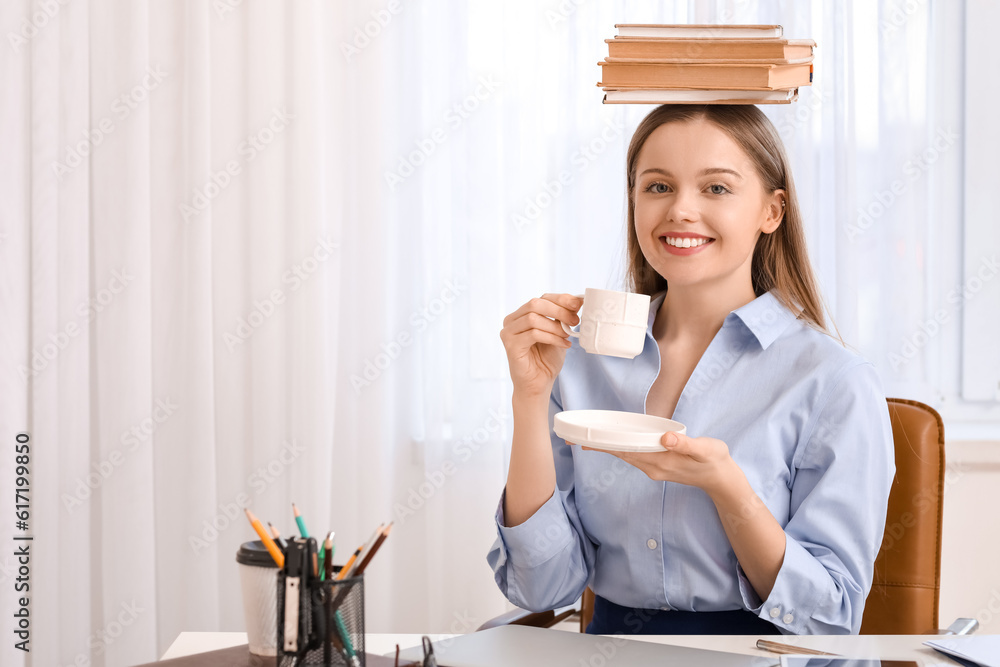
{"x": 701, "y": 462}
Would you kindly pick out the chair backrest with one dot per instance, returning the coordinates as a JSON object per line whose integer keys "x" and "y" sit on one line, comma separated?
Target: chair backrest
{"x": 586, "y": 608}
{"x": 907, "y": 583}
{"x": 904, "y": 595}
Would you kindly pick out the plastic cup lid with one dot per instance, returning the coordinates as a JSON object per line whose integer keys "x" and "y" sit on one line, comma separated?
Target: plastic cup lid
{"x": 256, "y": 554}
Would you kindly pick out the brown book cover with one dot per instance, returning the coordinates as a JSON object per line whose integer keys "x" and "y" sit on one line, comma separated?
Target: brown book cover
{"x": 710, "y": 49}
{"x": 733, "y": 75}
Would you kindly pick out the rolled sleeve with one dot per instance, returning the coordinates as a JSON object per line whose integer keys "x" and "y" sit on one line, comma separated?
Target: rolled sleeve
{"x": 546, "y": 561}
{"x": 839, "y": 496}
{"x": 544, "y": 535}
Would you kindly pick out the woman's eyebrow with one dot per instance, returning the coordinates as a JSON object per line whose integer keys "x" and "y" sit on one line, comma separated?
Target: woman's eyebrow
{"x": 704, "y": 172}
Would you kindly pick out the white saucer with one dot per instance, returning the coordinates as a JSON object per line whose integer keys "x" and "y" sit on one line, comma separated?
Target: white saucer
{"x": 614, "y": 431}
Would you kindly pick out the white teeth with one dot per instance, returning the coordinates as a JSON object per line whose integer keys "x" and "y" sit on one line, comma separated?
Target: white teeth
{"x": 686, "y": 242}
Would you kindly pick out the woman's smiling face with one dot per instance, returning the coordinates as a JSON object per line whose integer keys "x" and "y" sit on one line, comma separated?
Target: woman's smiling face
{"x": 700, "y": 205}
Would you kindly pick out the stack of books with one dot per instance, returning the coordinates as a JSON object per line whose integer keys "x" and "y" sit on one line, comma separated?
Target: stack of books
{"x": 704, "y": 64}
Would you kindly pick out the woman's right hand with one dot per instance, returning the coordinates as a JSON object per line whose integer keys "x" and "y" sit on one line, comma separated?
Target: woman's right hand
{"x": 536, "y": 343}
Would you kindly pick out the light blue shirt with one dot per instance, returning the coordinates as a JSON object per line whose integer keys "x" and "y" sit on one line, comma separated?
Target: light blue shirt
{"x": 807, "y": 422}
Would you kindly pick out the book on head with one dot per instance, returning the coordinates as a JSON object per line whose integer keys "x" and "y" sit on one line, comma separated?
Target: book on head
{"x": 698, "y": 75}
{"x": 710, "y": 49}
{"x": 691, "y": 96}
{"x": 700, "y": 31}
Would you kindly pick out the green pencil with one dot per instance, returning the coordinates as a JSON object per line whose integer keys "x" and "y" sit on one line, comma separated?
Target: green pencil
{"x": 301, "y": 523}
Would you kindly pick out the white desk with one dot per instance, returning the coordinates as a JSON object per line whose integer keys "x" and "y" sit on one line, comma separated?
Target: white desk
{"x": 900, "y": 647}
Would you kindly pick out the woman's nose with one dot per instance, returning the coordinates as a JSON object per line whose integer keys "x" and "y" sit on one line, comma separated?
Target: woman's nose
{"x": 683, "y": 207}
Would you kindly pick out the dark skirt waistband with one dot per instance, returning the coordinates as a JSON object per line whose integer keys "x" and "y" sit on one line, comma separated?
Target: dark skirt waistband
{"x": 613, "y": 619}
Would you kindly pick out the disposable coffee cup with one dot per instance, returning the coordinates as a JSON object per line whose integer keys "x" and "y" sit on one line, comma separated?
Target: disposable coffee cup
{"x": 612, "y": 323}
{"x": 259, "y": 583}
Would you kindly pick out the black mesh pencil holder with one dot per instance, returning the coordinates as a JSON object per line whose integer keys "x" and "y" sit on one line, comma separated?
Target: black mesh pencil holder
{"x": 330, "y": 624}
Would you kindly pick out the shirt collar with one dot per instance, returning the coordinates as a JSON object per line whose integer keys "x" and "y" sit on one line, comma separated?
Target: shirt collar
{"x": 765, "y": 317}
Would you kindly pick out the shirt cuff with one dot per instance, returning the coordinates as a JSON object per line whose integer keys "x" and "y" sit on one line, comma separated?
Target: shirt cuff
{"x": 545, "y": 534}
{"x": 795, "y": 593}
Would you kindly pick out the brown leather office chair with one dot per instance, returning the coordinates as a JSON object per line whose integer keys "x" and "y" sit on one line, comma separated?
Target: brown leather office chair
{"x": 904, "y": 595}
{"x": 907, "y": 582}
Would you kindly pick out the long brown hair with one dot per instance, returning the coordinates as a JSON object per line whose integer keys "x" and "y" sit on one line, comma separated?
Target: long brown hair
{"x": 780, "y": 261}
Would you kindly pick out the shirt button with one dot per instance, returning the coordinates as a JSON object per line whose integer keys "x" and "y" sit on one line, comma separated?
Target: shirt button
{"x": 788, "y": 619}
{"x": 651, "y": 543}
{"x": 775, "y": 613}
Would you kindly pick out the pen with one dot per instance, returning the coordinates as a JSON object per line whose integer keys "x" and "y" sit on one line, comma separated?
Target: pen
{"x": 272, "y": 548}
{"x": 278, "y": 539}
{"x": 776, "y": 647}
{"x": 300, "y": 521}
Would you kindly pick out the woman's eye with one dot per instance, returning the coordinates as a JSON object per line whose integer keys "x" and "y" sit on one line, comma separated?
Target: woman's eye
{"x": 655, "y": 187}
{"x": 718, "y": 189}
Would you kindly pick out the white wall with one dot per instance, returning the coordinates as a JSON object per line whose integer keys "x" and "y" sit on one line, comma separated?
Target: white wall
{"x": 970, "y": 575}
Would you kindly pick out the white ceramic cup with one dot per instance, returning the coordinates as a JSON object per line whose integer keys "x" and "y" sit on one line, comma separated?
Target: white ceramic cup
{"x": 259, "y": 581}
{"x": 612, "y": 323}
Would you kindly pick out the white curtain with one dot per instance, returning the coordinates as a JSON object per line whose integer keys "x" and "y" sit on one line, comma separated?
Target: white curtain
{"x": 256, "y": 253}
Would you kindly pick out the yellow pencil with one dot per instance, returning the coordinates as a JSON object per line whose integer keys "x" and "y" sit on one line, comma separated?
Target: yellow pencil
{"x": 272, "y": 548}
{"x": 350, "y": 561}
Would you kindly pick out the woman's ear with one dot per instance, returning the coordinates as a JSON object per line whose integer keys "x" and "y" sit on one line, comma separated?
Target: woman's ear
{"x": 775, "y": 212}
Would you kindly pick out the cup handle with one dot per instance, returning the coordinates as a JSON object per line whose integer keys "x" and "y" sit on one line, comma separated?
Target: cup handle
{"x": 574, "y": 334}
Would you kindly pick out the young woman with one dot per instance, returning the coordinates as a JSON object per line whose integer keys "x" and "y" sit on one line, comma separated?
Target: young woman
{"x": 767, "y": 516}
